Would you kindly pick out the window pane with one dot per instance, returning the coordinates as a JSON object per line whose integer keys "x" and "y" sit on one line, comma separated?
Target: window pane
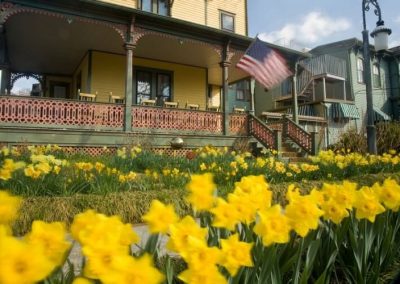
{"x": 164, "y": 87}
{"x": 227, "y": 22}
{"x": 163, "y": 7}
{"x": 360, "y": 70}
{"x": 143, "y": 86}
{"x": 146, "y": 5}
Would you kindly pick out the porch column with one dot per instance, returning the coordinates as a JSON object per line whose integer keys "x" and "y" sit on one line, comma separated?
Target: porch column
{"x": 294, "y": 96}
{"x": 324, "y": 88}
{"x": 225, "y": 99}
{"x": 129, "y": 47}
{"x": 3, "y": 60}
{"x": 252, "y": 92}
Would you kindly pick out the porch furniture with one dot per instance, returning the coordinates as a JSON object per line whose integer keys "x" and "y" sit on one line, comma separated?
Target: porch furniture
{"x": 87, "y": 97}
{"x": 213, "y": 108}
{"x": 192, "y": 106}
{"x": 238, "y": 110}
{"x": 148, "y": 102}
{"x": 116, "y": 99}
{"x": 171, "y": 104}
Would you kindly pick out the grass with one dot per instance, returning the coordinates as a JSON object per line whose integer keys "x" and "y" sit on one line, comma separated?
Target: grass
{"x": 131, "y": 205}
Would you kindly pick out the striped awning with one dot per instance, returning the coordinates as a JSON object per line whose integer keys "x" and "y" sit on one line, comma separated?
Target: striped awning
{"x": 341, "y": 110}
{"x": 380, "y": 115}
{"x": 306, "y": 110}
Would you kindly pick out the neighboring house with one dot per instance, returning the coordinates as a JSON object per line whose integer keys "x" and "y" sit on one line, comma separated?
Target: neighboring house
{"x": 159, "y": 67}
{"x": 331, "y": 90}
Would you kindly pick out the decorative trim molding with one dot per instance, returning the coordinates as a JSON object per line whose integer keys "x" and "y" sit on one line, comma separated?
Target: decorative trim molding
{"x": 8, "y": 10}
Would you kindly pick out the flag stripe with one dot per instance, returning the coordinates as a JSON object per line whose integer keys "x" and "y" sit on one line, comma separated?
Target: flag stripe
{"x": 265, "y": 64}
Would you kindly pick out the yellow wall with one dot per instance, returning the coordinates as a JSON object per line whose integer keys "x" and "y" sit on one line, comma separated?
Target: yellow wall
{"x": 84, "y": 68}
{"x": 108, "y": 75}
{"x": 196, "y": 11}
{"x": 236, "y": 7}
{"x": 215, "y": 96}
{"x": 126, "y": 3}
{"x": 189, "y": 10}
{"x": 189, "y": 83}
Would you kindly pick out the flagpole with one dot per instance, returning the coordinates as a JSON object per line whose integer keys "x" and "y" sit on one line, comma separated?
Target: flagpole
{"x": 295, "y": 106}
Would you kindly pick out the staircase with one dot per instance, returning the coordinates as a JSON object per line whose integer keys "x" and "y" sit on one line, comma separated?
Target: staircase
{"x": 292, "y": 153}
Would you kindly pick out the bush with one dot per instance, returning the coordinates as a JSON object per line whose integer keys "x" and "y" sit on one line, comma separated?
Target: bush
{"x": 387, "y": 138}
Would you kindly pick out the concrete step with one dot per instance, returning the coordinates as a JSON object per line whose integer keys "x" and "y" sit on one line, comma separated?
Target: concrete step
{"x": 291, "y": 154}
{"x": 299, "y": 160}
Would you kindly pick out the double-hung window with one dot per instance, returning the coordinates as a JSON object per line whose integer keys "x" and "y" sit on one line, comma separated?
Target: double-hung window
{"x": 160, "y": 7}
{"x": 376, "y": 74}
{"x": 227, "y": 21}
{"x": 360, "y": 70}
{"x": 153, "y": 85}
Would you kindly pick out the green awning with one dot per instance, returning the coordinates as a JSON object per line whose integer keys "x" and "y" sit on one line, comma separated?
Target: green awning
{"x": 380, "y": 115}
{"x": 342, "y": 110}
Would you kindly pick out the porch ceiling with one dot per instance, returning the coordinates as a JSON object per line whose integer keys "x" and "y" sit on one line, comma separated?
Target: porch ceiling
{"x": 46, "y": 44}
{"x": 51, "y": 45}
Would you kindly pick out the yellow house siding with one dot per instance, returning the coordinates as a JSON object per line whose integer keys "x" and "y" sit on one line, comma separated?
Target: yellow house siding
{"x": 108, "y": 75}
{"x": 189, "y": 83}
{"x": 126, "y": 3}
{"x": 189, "y": 10}
{"x": 83, "y": 68}
{"x": 236, "y": 7}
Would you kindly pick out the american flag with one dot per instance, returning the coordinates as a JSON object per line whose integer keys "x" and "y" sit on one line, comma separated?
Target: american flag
{"x": 265, "y": 64}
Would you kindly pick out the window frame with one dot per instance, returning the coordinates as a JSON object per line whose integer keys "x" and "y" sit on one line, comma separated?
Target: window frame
{"x": 155, "y": 7}
{"x": 376, "y": 76}
{"x": 221, "y": 21}
{"x": 360, "y": 71}
{"x": 246, "y": 90}
{"x": 154, "y": 82}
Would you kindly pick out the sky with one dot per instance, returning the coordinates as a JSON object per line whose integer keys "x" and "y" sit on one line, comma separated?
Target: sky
{"x": 309, "y": 23}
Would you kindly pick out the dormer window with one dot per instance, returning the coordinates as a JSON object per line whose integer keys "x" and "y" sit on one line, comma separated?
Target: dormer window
{"x": 160, "y": 7}
{"x": 227, "y": 21}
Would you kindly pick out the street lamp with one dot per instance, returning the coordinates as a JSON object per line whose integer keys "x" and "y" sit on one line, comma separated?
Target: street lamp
{"x": 380, "y": 34}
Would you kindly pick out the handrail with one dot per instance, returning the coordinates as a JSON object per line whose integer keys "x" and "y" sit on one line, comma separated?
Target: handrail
{"x": 297, "y": 134}
{"x": 262, "y": 133}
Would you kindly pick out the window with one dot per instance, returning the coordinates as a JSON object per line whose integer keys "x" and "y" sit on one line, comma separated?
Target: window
{"x": 243, "y": 90}
{"x": 227, "y": 21}
{"x": 153, "y": 84}
{"x": 360, "y": 70}
{"x": 376, "y": 74}
{"x": 160, "y": 7}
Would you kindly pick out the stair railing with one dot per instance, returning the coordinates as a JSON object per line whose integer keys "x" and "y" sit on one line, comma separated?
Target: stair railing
{"x": 265, "y": 135}
{"x": 307, "y": 141}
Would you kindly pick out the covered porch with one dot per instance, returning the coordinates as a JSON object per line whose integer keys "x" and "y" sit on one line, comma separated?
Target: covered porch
{"x": 107, "y": 69}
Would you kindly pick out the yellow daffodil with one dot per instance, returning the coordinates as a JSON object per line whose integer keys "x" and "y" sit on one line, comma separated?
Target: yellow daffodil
{"x": 272, "y": 226}
{"x": 9, "y": 207}
{"x": 225, "y": 215}
{"x": 160, "y": 217}
{"x": 201, "y": 191}
{"x": 235, "y": 254}
{"x": 367, "y": 204}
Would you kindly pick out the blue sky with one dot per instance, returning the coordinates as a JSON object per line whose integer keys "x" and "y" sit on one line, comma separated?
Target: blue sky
{"x": 309, "y": 23}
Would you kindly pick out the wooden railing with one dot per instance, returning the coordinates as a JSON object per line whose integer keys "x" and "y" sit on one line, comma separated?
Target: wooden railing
{"x": 43, "y": 112}
{"x": 298, "y": 135}
{"x": 262, "y": 133}
{"x": 325, "y": 64}
{"x": 238, "y": 124}
{"x": 166, "y": 119}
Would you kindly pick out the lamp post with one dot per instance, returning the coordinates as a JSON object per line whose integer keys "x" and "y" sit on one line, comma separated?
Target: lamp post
{"x": 380, "y": 34}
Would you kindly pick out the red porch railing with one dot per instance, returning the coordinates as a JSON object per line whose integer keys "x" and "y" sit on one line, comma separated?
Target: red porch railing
{"x": 166, "y": 119}
{"x": 43, "y": 112}
{"x": 262, "y": 133}
{"x": 238, "y": 124}
{"x": 298, "y": 135}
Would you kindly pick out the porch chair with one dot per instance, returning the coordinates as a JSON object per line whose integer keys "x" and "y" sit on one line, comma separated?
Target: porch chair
{"x": 171, "y": 104}
{"x": 148, "y": 102}
{"x": 213, "y": 108}
{"x": 192, "y": 106}
{"x": 115, "y": 99}
{"x": 239, "y": 109}
{"x": 87, "y": 96}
